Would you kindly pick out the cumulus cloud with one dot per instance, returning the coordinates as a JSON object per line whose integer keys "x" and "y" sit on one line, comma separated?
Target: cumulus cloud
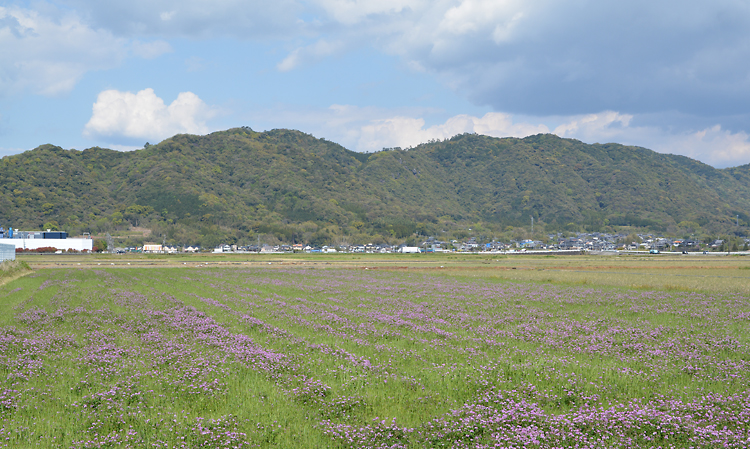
{"x": 542, "y": 58}
{"x": 726, "y": 149}
{"x": 566, "y": 66}
{"x": 372, "y": 129}
{"x": 601, "y": 127}
{"x": 498, "y": 19}
{"x": 409, "y": 131}
{"x": 532, "y": 57}
{"x": 48, "y": 54}
{"x": 712, "y": 145}
{"x": 143, "y": 115}
{"x": 538, "y": 57}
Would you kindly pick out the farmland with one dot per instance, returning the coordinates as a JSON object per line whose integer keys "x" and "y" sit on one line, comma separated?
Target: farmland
{"x": 392, "y": 352}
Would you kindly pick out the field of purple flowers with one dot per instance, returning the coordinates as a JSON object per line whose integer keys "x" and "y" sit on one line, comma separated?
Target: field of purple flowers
{"x": 290, "y": 357}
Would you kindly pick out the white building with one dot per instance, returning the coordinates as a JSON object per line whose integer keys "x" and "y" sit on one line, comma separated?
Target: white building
{"x": 7, "y": 252}
{"x": 60, "y": 244}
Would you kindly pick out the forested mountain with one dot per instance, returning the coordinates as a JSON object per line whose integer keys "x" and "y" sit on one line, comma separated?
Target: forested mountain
{"x": 287, "y": 185}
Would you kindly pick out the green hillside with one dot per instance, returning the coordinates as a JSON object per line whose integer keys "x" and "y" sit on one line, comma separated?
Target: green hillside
{"x": 287, "y": 185}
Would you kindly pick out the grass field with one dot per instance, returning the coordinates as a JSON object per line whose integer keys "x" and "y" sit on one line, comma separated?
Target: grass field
{"x": 710, "y": 274}
{"x": 376, "y": 352}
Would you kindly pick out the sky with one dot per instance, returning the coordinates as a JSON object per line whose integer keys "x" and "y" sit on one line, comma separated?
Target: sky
{"x": 672, "y": 76}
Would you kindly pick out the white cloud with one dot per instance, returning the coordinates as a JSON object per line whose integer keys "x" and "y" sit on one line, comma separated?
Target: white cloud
{"x": 48, "y": 54}
{"x": 408, "y": 131}
{"x": 498, "y": 18}
{"x": 541, "y": 57}
{"x": 371, "y": 129}
{"x": 714, "y": 146}
{"x": 143, "y": 115}
{"x": 533, "y": 57}
{"x": 566, "y": 66}
{"x": 603, "y": 126}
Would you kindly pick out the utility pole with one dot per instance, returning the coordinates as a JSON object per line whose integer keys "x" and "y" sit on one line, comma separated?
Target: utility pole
{"x": 532, "y": 224}
{"x": 110, "y": 242}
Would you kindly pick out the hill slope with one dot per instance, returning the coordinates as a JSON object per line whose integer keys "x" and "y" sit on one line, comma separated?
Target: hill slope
{"x": 235, "y": 183}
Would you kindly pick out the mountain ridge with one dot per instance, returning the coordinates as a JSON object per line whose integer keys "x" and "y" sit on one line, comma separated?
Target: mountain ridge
{"x": 237, "y": 183}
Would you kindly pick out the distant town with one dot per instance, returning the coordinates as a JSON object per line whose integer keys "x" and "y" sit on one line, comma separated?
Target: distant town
{"x": 59, "y": 242}
{"x": 579, "y": 243}
{"x": 594, "y": 242}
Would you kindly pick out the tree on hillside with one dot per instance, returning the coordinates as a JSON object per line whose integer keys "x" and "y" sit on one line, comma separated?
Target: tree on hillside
{"x": 631, "y": 238}
{"x": 51, "y": 225}
{"x": 99, "y": 245}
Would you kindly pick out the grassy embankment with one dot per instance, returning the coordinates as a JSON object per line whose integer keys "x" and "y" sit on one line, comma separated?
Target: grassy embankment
{"x": 13, "y": 269}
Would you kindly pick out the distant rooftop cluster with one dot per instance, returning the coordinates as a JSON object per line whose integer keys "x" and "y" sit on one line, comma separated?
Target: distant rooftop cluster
{"x": 581, "y": 242}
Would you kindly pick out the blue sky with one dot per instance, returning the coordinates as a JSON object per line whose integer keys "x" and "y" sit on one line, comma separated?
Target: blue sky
{"x": 671, "y": 76}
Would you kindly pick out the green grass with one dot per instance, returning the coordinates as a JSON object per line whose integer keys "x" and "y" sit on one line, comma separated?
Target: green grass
{"x": 327, "y": 323}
